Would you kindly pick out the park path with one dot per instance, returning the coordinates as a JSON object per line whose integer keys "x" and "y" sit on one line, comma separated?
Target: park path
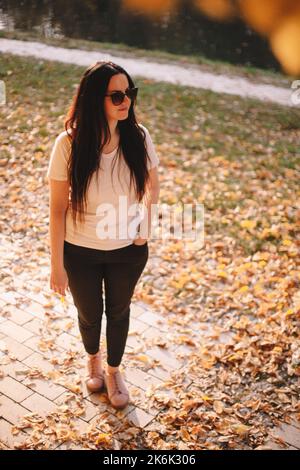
{"x": 188, "y": 75}
{"x": 36, "y": 331}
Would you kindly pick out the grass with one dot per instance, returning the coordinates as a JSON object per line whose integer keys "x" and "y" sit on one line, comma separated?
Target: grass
{"x": 236, "y": 153}
{"x": 253, "y": 74}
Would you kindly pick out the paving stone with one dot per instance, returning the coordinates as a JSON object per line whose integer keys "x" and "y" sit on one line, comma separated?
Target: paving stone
{"x": 155, "y": 426}
{"x": 154, "y": 320}
{"x": 33, "y": 343}
{"x": 137, "y": 325}
{"x": 272, "y": 445}
{"x": 14, "y": 389}
{"x": 70, "y": 446}
{"x": 63, "y": 326}
{"x": 10, "y": 297}
{"x": 290, "y": 434}
{"x": 44, "y": 387}
{"x": 294, "y": 421}
{"x": 6, "y": 436}
{"x": 18, "y": 316}
{"x": 121, "y": 414}
{"x": 34, "y": 308}
{"x": 80, "y": 427}
{"x": 37, "y": 360}
{"x": 162, "y": 372}
{"x": 90, "y": 409}
{"x": 36, "y": 344}
{"x": 3, "y": 446}
{"x": 69, "y": 342}
{"x": 140, "y": 378}
{"x": 19, "y": 333}
{"x": 20, "y": 351}
{"x": 35, "y": 325}
{"x": 135, "y": 341}
{"x": 39, "y": 297}
{"x": 100, "y": 399}
{"x": 127, "y": 351}
{"x": 183, "y": 350}
{"x": 68, "y": 309}
{"x": 140, "y": 398}
{"x": 164, "y": 356}
{"x": 106, "y": 418}
{"x": 38, "y": 404}
{"x": 15, "y": 369}
{"x": 153, "y": 333}
{"x": 10, "y": 410}
{"x": 114, "y": 423}
{"x": 144, "y": 340}
{"x": 136, "y": 310}
{"x": 139, "y": 417}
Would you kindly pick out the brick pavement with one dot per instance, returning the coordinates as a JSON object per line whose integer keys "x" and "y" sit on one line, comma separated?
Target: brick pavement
{"x": 27, "y": 323}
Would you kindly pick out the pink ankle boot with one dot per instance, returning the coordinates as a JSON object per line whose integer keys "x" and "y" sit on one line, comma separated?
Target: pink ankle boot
{"x": 95, "y": 379}
{"x": 116, "y": 389}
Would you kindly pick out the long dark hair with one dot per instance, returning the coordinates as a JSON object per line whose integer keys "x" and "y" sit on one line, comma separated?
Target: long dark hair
{"x": 88, "y": 129}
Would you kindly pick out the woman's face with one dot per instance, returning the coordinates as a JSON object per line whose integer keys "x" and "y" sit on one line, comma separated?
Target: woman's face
{"x": 117, "y": 82}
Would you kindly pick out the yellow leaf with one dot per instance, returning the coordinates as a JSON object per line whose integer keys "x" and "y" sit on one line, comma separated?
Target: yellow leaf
{"x": 143, "y": 358}
{"x": 206, "y": 398}
{"x": 248, "y": 224}
{"x": 102, "y": 438}
{"x": 241, "y": 429}
{"x": 222, "y": 274}
{"x": 243, "y": 289}
{"x": 289, "y": 312}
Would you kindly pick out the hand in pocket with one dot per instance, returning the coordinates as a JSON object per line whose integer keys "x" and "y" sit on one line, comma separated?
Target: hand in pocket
{"x": 140, "y": 241}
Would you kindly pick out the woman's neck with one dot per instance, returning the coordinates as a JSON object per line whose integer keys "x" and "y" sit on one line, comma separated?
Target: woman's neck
{"x": 114, "y": 130}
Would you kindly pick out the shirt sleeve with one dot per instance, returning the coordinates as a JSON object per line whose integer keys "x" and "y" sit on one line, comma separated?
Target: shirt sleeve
{"x": 58, "y": 164}
{"x": 154, "y": 160}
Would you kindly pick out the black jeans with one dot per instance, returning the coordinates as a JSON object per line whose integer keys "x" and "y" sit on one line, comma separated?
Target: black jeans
{"x": 121, "y": 269}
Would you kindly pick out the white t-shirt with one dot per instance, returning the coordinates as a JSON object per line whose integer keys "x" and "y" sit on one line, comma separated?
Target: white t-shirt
{"x": 110, "y": 219}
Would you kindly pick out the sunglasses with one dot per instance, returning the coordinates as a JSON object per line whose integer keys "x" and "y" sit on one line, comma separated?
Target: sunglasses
{"x": 118, "y": 97}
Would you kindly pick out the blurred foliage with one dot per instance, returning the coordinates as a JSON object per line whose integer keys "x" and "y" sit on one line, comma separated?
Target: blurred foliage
{"x": 278, "y": 20}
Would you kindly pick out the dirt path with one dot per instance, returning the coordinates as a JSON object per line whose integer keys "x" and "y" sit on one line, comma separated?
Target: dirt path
{"x": 188, "y": 75}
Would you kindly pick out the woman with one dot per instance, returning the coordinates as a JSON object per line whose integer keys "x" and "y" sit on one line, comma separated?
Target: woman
{"x": 102, "y": 136}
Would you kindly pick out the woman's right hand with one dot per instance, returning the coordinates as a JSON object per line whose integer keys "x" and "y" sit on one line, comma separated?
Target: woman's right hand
{"x": 59, "y": 280}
